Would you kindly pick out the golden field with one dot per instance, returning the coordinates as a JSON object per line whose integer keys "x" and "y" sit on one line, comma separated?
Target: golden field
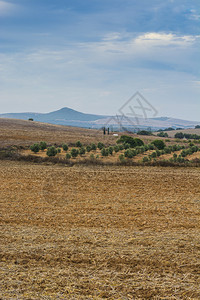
{"x": 99, "y": 232}
{"x": 25, "y": 133}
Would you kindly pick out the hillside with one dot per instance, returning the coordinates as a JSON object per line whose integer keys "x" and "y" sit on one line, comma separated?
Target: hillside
{"x": 70, "y": 117}
{"x": 190, "y": 131}
{"x": 21, "y": 132}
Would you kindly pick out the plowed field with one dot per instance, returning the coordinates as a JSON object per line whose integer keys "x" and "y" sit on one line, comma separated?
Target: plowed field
{"x": 99, "y": 232}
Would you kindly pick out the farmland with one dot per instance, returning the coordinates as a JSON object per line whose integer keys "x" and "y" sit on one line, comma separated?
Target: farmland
{"x": 96, "y": 232}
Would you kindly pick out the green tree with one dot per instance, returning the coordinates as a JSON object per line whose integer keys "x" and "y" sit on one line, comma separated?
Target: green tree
{"x": 104, "y": 152}
{"x": 65, "y": 147}
{"x": 159, "y": 144}
{"x": 93, "y": 147}
{"x": 110, "y": 150}
{"x": 82, "y": 151}
{"x": 78, "y": 144}
{"x": 35, "y": 148}
{"x": 74, "y": 152}
{"x": 100, "y": 145}
{"x": 68, "y": 156}
{"x": 51, "y": 151}
{"x": 43, "y": 145}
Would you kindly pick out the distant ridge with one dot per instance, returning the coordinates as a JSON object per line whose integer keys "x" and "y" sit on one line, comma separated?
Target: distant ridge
{"x": 71, "y": 117}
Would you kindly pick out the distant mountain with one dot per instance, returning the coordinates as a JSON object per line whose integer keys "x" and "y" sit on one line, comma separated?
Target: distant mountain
{"x": 63, "y": 116}
{"x": 71, "y": 117}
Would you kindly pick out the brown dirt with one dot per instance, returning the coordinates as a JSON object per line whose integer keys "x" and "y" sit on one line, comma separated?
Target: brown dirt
{"x": 99, "y": 232}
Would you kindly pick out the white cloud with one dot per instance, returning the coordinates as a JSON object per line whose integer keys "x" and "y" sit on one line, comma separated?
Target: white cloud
{"x": 7, "y": 8}
{"x": 165, "y": 39}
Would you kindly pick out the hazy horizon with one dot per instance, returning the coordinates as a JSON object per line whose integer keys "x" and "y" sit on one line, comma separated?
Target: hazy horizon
{"x": 92, "y": 56}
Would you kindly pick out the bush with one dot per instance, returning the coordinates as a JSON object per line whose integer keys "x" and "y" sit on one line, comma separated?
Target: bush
{"x": 154, "y": 154}
{"x": 82, "y": 151}
{"x": 184, "y": 153}
{"x": 35, "y": 148}
{"x": 51, "y": 151}
{"x": 158, "y": 153}
{"x": 93, "y": 147}
{"x": 43, "y": 145}
{"x": 58, "y": 150}
{"x": 116, "y": 148}
{"x": 144, "y": 132}
{"x": 104, "y": 152}
{"x": 179, "y": 135}
{"x": 88, "y": 148}
{"x": 92, "y": 156}
{"x": 100, "y": 145}
{"x": 79, "y": 144}
{"x": 167, "y": 150}
{"x": 68, "y": 156}
{"x": 130, "y": 153}
{"x": 65, "y": 147}
{"x": 159, "y": 144}
{"x": 110, "y": 150}
{"x": 133, "y": 142}
{"x": 74, "y": 152}
{"x": 162, "y": 134}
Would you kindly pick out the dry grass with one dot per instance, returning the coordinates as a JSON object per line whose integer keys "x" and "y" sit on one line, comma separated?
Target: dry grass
{"x": 99, "y": 232}
{"x": 20, "y": 132}
{"x": 25, "y": 133}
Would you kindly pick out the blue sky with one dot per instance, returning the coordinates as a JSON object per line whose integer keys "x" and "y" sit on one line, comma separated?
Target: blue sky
{"x": 93, "y": 55}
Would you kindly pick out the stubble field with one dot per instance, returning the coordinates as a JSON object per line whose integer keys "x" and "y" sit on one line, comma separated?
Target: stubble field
{"x": 99, "y": 232}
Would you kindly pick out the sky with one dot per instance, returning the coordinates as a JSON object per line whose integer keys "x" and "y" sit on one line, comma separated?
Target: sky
{"x": 93, "y": 55}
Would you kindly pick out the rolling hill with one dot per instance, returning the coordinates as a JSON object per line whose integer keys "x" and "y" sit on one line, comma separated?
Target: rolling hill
{"x": 71, "y": 117}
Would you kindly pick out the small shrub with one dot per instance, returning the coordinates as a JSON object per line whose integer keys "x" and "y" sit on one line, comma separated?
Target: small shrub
{"x": 88, "y": 148}
{"x": 58, "y": 150}
{"x": 154, "y": 154}
{"x": 162, "y": 134}
{"x": 43, "y": 145}
{"x": 184, "y": 153}
{"x": 104, "y": 152}
{"x": 110, "y": 150}
{"x": 116, "y": 148}
{"x": 100, "y": 146}
{"x": 92, "y": 156}
{"x": 79, "y": 144}
{"x": 159, "y": 144}
{"x": 68, "y": 156}
{"x": 35, "y": 148}
{"x": 74, "y": 152}
{"x": 82, "y": 151}
{"x": 65, "y": 147}
{"x": 51, "y": 151}
{"x": 158, "y": 153}
{"x": 130, "y": 153}
{"x": 93, "y": 147}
